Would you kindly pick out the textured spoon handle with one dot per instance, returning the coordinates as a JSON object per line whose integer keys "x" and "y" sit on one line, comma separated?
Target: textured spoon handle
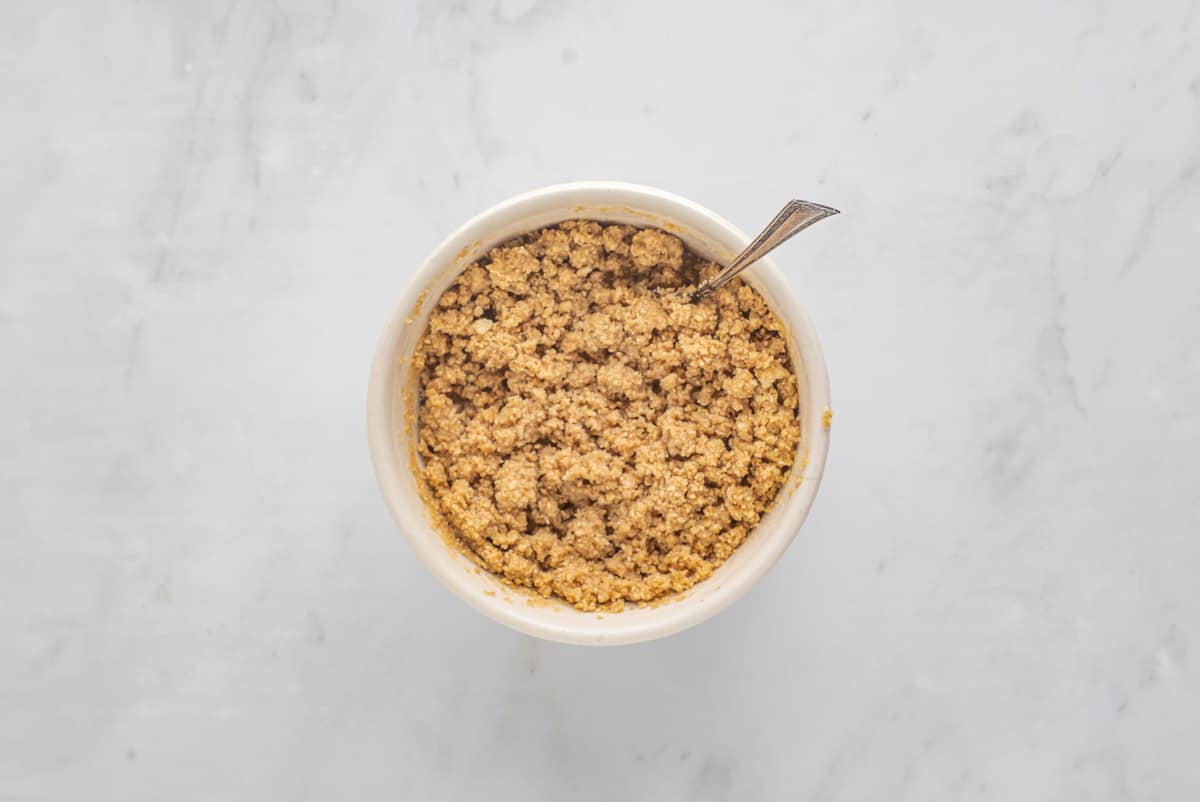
{"x": 793, "y": 218}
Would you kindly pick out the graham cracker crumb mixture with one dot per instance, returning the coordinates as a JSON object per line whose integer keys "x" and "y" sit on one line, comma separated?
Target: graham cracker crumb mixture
{"x": 587, "y": 433}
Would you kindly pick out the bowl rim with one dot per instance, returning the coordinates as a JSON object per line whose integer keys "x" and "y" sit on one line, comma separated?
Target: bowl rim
{"x": 672, "y": 616}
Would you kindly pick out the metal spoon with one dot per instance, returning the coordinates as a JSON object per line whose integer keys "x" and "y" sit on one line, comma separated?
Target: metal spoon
{"x": 793, "y": 218}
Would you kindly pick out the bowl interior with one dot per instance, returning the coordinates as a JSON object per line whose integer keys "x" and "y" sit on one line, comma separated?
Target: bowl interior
{"x": 392, "y": 398}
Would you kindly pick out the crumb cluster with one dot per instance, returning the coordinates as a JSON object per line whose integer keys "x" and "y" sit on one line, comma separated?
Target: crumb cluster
{"x": 590, "y": 434}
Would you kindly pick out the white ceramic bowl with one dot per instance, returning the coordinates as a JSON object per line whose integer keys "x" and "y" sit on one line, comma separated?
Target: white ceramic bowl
{"x": 391, "y": 394}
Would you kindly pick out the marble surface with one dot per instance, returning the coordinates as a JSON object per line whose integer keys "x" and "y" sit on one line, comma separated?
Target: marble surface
{"x": 206, "y": 209}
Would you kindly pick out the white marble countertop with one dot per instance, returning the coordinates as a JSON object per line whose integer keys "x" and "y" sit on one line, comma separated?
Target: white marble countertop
{"x": 206, "y": 209}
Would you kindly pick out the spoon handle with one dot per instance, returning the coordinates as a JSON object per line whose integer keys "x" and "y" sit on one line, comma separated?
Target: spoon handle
{"x": 793, "y": 218}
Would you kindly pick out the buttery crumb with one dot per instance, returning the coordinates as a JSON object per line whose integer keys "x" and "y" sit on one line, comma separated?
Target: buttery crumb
{"x": 827, "y": 418}
{"x": 590, "y": 434}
